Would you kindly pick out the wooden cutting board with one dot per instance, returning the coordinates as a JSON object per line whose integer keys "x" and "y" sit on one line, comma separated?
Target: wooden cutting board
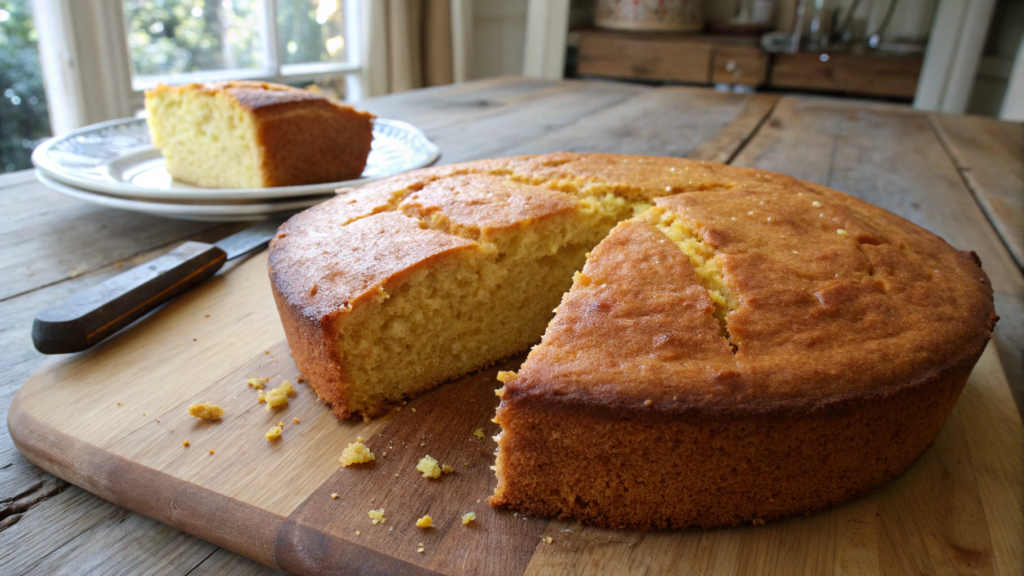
{"x": 112, "y": 420}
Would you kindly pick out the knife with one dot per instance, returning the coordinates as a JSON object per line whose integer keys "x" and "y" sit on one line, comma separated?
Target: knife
{"x": 91, "y": 315}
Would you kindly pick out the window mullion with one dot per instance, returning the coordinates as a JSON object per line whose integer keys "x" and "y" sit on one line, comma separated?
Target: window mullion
{"x": 271, "y": 46}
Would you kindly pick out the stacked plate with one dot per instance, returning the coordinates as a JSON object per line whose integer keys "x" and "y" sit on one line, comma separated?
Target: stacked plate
{"x": 115, "y": 164}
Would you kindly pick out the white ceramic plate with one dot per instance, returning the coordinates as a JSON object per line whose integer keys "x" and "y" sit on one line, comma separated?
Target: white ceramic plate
{"x": 117, "y": 158}
{"x": 186, "y": 211}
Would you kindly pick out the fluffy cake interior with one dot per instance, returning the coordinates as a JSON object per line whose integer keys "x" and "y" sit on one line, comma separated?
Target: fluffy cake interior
{"x": 207, "y": 139}
{"x": 468, "y": 312}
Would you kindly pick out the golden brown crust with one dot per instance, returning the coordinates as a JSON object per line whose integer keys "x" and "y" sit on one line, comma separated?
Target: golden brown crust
{"x": 821, "y": 314}
{"x": 634, "y": 470}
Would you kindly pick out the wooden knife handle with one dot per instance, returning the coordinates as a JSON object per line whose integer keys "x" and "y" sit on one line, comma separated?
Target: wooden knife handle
{"x": 93, "y": 314}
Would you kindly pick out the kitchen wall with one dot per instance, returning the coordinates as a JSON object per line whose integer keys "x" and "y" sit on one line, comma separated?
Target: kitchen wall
{"x": 499, "y": 33}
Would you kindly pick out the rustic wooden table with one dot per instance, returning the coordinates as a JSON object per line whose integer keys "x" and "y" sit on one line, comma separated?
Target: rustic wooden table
{"x": 961, "y": 177}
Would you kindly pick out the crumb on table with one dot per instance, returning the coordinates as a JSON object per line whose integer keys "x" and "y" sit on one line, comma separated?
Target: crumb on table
{"x": 211, "y": 451}
{"x": 546, "y": 539}
{"x": 206, "y": 411}
{"x": 377, "y": 516}
{"x": 468, "y": 517}
{"x": 479, "y": 433}
{"x": 420, "y": 550}
{"x": 295, "y": 420}
{"x": 278, "y": 397}
{"x": 356, "y": 453}
{"x": 428, "y": 466}
{"x": 334, "y": 495}
{"x": 273, "y": 434}
{"x": 186, "y": 444}
{"x": 257, "y": 383}
{"x": 425, "y": 522}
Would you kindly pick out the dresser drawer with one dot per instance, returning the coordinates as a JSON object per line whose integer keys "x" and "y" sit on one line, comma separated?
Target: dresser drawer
{"x": 739, "y": 65}
{"x": 645, "y": 57}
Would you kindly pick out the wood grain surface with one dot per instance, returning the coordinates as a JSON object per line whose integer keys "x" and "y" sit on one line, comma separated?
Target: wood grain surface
{"x": 47, "y": 526}
{"x": 119, "y": 433}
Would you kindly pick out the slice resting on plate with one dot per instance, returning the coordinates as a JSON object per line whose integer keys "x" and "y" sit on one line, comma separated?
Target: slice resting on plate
{"x": 256, "y": 135}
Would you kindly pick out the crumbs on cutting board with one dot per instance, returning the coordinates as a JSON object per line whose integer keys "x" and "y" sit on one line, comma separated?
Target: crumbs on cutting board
{"x": 356, "y": 453}
{"x": 377, "y": 516}
{"x": 205, "y": 411}
{"x": 425, "y": 522}
{"x": 277, "y": 397}
{"x": 468, "y": 517}
{"x": 257, "y": 382}
{"x": 274, "y": 434}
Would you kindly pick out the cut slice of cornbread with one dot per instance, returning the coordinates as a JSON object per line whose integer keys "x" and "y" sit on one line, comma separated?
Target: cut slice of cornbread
{"x": 256, "y": 135}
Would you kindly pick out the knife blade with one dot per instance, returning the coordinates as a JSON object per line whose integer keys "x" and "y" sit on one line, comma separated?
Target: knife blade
{"x": 89, "y": 316}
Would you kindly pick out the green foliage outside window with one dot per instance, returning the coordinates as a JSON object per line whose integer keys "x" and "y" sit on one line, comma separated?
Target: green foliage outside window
{"x": 24, "y": 119}
{"x": 177, "y": 36}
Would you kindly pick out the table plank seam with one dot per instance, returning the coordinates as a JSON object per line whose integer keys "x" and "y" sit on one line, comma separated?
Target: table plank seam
{"x": 201, "y": 562}
{"x": 754, "y": 132}
{"x": 961, "y": 172}
{"x": 158, "y": 248}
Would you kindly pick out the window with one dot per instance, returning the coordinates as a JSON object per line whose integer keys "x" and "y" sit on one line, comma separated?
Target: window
{"x": 99, "y": 55}
{"x": 290, "y": 41}
{"x": 23, "y": 112}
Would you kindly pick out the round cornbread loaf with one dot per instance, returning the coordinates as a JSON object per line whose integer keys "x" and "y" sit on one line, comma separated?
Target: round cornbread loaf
{"x": 741, "y": 346}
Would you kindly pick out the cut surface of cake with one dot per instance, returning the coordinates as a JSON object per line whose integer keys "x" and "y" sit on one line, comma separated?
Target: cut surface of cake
{"x": 736, "y": 345}
{"x": 256, "y": 135}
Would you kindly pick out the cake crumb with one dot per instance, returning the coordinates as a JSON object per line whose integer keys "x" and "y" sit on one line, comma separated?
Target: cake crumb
{"x": 280, "y": 424}
{"x": 479, "y": 433}
{"x": 256, "y": 382}
{"x": 118, "y": 403}
{"x": 211, "y": 451}
{"x": 468, "y": 517}
{"x": 295, "y": 420}
{"x": 377, "y": 516}
{"x": 447, "y": 469}
{"x": 425, "y": 522}
{"x": 547, "y": 539}
{"x": 261, "y": 398}
{"x": 841, "y": 232}
{"x": 334, "y": 495}
{"x": 186, "y": 443}
{"x": 358, "y": 533}
{"x": 356, "y": 453}
{"x": 428, "y": 466}
{"x": 300, "y": 379}
{"x": 278, "y": 397}
{"x": 273, "y": 434}
{"x": 266, "y": 352}
{"x": 206, "y": 411}
{"x": 420, "y": 550}
{"x": 413, "y": 409}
